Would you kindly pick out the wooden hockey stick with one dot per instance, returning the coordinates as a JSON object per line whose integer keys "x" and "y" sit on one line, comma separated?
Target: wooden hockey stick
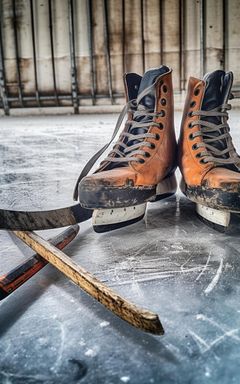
{"x": 28, "y": 268}
{"x": 138, "y": 317}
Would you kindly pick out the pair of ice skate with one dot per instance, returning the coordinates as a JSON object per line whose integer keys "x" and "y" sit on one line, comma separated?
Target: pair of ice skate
{"x": 141, "y": 166}
{"x": 140, "y": 169}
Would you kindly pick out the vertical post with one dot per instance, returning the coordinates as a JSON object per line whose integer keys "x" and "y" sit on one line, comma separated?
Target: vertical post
{"x": 202, "y": 38}
{"x": 225, "y": 34}
{"x": 142, "y": 35}
{"x": 34, "y": 54}
{"x": 123, "y": 38}
{"x": 91, "y": 44}
{"x": 3, "y": 92}
{"x": 161, "y": 29}
{"x": 73, "y": 57}
{"x": 107, "y": 49}
{"x": 52, "y": 50}
{"x": 182, "y": 9}
{"x": 19, "y": 81}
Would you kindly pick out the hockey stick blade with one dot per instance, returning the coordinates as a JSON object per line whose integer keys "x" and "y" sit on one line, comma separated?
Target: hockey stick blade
{"x": 23, "y": 272}
{"x": 38, "y": 220}
{"x": 138, "y": 317}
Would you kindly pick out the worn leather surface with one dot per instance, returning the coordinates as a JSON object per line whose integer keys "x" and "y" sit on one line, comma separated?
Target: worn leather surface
{"x": 194, "y": 172}
{"x": 223, "y": 178}
{"x": 163, "y": 157}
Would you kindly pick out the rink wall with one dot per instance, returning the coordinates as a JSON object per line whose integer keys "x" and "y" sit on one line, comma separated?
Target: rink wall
{"x": 74, "y": 52}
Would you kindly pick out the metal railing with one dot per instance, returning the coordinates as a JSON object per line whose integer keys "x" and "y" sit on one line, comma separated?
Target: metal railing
{"x": 12, "y": 91}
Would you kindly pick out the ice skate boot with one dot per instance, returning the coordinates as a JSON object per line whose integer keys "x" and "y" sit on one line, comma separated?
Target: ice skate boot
{"x": 208, "y": 161}
{"x": 141, "y": 165}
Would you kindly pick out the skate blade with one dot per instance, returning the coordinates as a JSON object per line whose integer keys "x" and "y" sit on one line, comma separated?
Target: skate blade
{"x": 105, "y": 220}
{"x": 219, "y": 220}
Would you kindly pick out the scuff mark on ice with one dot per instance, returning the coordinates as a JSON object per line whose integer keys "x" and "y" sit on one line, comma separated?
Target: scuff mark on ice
{"x": 104, "y": 324}
{"x": 215, "y": 279}
{"x": 91, "y": 352}
{"x": 125, "y": 379}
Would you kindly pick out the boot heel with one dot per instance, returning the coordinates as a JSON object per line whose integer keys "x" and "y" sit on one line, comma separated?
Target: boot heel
{"x": 166, "y": 188}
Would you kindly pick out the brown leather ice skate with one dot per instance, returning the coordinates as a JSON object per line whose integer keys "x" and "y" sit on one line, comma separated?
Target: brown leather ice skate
{"x": 141, "y": 165}
{"x": 208, "y": 161}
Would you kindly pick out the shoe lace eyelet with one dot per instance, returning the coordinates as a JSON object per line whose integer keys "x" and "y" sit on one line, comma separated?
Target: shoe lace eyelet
{"x": 160, "y": 126}
{"x": 190, "y": 125}
{"x": 191, "y": 136}
{"x": 190, "y": 114}
{"x": 164, "y": 88}
{"x": 163, "y": 102}
{"x": 157, "y": 136}
{"x": 192, "y": 104}
{"x": 141, "y": 161}
{"x": 196, "y": 92}
{"x": 153, "y": 146}
{"x": 198, "y": 155}
{"x": 162, "y": 113}
{"x": 202, "y": 161}
{"x": 147, "y": 154}
{"x": 194, "y": 147}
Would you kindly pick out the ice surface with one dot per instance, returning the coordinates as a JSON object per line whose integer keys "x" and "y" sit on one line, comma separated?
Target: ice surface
{"x": 170, "y": 263}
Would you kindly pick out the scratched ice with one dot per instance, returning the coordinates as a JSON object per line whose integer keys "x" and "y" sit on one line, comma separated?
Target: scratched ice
{"x": 170, "y": 263}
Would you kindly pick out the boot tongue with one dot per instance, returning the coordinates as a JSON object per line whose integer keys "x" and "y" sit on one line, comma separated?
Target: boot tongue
{"x": 148, "y": 79}
{"x": 218, "y": 86}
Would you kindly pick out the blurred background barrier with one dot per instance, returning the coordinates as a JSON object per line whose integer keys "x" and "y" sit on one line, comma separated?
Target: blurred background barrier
{"x": 74, "y": 52}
